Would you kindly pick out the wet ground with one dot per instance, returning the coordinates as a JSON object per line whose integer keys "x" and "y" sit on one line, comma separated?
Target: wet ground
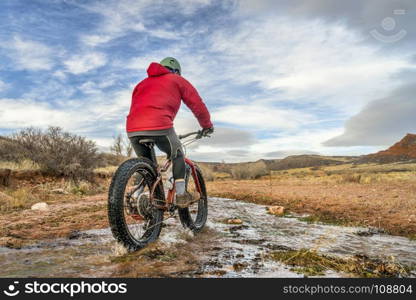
{"x": 224, "y": 250}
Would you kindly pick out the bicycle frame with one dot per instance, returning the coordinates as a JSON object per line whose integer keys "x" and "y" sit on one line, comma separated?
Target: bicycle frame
{"x": 171, "y": 192}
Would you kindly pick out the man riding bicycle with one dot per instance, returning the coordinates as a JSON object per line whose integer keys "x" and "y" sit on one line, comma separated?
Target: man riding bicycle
{"x": 155, "y": 103}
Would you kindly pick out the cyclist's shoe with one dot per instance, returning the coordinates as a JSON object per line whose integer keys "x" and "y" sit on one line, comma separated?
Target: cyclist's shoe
{"x": 183, "y": 200}
{"x": 186, "y": 199}
{"x": 183, "y": 197}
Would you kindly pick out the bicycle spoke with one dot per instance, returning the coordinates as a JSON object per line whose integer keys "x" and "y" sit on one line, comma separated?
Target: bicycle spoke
{"x": 137, "y": 223}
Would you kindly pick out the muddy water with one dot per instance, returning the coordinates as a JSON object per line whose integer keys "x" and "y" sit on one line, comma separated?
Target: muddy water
{"x": 238, "y": 250}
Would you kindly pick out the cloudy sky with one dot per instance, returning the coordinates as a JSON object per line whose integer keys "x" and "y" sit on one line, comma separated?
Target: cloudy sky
{"x": 279, "y": 77}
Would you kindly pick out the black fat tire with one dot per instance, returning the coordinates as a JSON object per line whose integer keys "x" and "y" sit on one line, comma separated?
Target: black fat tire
{"x": 116, "y": 203}
{"x": 202, "y": 215}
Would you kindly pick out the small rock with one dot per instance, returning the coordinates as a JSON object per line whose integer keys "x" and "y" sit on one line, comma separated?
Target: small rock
{"x": 40, "y": 206}
{"x": 234, "y": 221}
{"x": 239, "y": 266}
{"x": 236, "y": 228}
{"x": 276, "y": 210}
{"x": 278, "y": 247}
{"x": 370, "y": 232}
{"x": 76, "y": 234}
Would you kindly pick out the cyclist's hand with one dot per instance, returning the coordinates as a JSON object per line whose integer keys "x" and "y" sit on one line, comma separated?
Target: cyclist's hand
{"x": 207, "y": 131}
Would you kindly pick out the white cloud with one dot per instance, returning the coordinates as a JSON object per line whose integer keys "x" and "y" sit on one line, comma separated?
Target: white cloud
{"x": 101, "y": 113}
{"x": 261, "y": 117}
{"x": 3, "y": 86}
{"x": 93, "y": 40}
{"x": 59, "y": 74}
{"x": 310, "y": 139}
{"x": 382, "y": 122}
{"x": 304, "y": 141}
{"x": 120, "y": 18}
{"x": 90, "y": 87}
{"x": 308, "y": 61}
{"x": 43, "y": 90}
{"x": 164, "y": 34}
{"x": 28, "y": 55}
{"x": 113, "y": 107}
{"x": 19, "y": 113}
{"x": 282, "y": 144}
{"x": 83, "y": 63}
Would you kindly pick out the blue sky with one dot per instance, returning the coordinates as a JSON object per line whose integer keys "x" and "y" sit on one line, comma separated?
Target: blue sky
{"x": 279, "y": 77}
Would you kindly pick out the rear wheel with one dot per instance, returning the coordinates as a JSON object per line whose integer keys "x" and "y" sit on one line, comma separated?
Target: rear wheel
{"x": 134, "y": 221}
{"x": 195, "y": 216}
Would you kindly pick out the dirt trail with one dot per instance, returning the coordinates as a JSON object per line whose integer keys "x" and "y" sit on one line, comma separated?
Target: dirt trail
{"x": 22, "y": 228}
{"x": 221, "y": 250}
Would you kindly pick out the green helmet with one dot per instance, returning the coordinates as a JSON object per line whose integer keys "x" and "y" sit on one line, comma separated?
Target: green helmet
{"x": 172, "y": 64}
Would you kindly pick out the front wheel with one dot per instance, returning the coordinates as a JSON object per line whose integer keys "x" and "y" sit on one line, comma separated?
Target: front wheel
{"x": 195, "y": 216}
{"x": 134, "y": 221}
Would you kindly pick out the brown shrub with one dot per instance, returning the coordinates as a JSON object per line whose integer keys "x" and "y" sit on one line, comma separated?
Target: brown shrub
{"x": 249, "y": 170}
{"x": 110, "y": 159}
{"x": 58, "y": 152}
{"x": 10, "y": 151}
{"x": 351, "y": 177}
{"x": 207, "y": 172}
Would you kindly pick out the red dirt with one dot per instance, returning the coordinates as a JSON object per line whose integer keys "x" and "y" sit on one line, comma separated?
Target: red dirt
{"x": 402, "y": 150}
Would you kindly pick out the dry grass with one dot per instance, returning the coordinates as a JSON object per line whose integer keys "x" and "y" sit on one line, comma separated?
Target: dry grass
{"x": 381, "y": 199}
{"x": 23, "y": 193}
{"x": 108, "y": 170}
{"x": 82, "y": 188}
{"x": 17, "y": 200}
{"x": 19, "y": 166}
{"x": 311, "y": 263}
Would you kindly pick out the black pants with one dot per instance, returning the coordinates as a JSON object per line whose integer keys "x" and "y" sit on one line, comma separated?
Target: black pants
{"x": 169, "y": 144}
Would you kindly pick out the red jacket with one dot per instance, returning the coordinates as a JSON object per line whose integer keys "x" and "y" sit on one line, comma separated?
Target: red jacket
{"x": 157, "y": 99}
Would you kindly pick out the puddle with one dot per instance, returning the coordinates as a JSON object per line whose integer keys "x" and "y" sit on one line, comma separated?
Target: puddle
{"x": 238, "y": 251}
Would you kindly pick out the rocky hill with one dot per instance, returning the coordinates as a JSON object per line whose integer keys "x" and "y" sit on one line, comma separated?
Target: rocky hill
{"x": 404, "y": 150}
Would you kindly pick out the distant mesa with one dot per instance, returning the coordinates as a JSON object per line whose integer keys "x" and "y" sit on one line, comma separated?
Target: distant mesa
{"x": 303, "y": 161}
{"x": 404, "y": 150}
{"x": 289, "y": 162}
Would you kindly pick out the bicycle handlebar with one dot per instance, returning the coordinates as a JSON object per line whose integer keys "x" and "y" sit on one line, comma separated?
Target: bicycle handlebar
{"x": 197, "y": 133}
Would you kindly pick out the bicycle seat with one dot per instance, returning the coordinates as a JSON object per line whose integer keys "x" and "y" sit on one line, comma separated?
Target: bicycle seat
{"x": 149, "y": 142}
